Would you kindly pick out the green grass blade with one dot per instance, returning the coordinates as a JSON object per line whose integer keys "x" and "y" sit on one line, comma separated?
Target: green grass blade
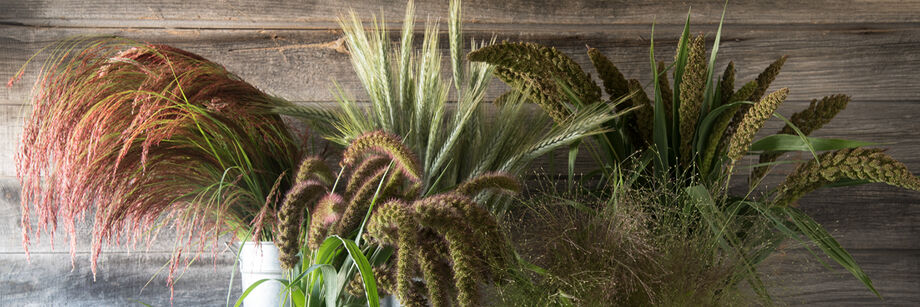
{"x": 710, "y": 91}
{"x": 680, "y": 62}
{"x": 573, "y": 154}
{"x": 705, "y": 126}
{"x": 788, "y": 142}
{"x": 364, "y": 267}
{"x": 248, "y": 290}
{"x": 660, "y": 130}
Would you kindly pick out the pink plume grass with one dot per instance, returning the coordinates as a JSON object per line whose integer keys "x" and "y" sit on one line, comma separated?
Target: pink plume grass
{"x": 145, "y": 136}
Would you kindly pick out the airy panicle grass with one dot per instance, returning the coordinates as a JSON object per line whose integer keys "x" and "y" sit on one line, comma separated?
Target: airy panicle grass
{"x": 143, "y": 136}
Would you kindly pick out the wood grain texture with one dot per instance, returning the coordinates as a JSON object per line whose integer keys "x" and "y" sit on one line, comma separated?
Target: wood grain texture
{"x": 50, "y": 280}
{"x": 516, "y": 13}
{"x": 870, "y": 63}
{"x": 867, "y": 49}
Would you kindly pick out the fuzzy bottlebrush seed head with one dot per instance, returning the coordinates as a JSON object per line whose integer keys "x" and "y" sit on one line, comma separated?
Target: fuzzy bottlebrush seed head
{"x": 368, "y": 167}
{"x": 692, "y": 86}
{"x": 291, "y": 214}
{"x": 387, "y": 144}
{"x": 314, "y": 168}
{"x": 448, "y": 239}
{"x": 752, "y": 121}
{"x": 499, "y": 182}
{"x": 146, "y": 135}
{"x": 862, "y": 164}
{"x": 328, "y": 212}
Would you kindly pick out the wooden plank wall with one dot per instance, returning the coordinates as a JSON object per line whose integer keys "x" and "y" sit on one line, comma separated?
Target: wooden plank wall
{"x": 868, "y": 49}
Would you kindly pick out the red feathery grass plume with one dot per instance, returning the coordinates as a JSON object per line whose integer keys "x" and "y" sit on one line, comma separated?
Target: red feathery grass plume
{"x": 147, "y": 135}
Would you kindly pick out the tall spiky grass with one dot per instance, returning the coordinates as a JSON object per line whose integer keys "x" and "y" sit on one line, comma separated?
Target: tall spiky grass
{"x": 147, "y": 137}
{"x": 409, "y": 98}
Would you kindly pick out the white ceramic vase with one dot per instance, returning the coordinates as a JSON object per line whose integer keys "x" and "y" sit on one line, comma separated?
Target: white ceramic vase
{"x": 257, "y": 262}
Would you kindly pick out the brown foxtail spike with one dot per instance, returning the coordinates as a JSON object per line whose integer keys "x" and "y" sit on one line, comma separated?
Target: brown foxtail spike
{"x": 643, "y": 117}
{"x": 291, "y": 215}
{"x": 387, "y": 144}
{"x": 314, "y": 168}
{"x": 667, "y": 94}
{"x": 328, "y": 212}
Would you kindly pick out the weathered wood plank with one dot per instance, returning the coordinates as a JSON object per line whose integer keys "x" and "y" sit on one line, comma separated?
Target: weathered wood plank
{"x": 49, "y": 280}
{"x": 869, "y": 63}
{"x": 517, "y": 14}
{"x": 797, "y": 279}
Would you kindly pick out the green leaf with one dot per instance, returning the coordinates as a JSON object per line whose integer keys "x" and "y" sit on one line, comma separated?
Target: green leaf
{"x": 788, "y": 142}
{"x": 660, "y": 130}
{"x": 680, "y": 62}
{"x": 710, "y": 91}
{"x": 248, "y": 290}
{"x": 707, "y": 122}
{"x": 573, "y": 154}
{"x": 364, "y": 267}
